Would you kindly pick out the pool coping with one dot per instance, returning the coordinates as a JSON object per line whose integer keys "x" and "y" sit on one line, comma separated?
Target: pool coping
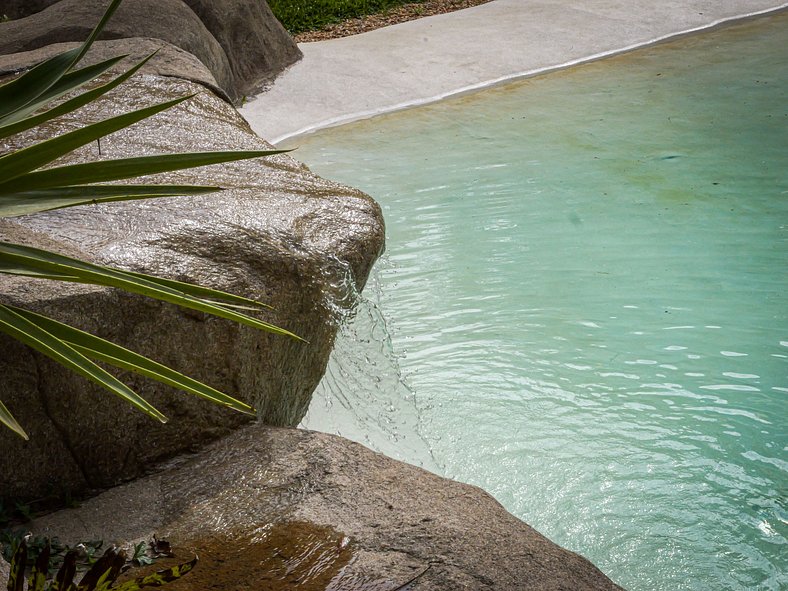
{"x": 340, "y": 81}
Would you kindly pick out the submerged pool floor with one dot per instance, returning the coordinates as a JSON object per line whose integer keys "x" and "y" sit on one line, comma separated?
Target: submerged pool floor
{"x": 585, "y": 291}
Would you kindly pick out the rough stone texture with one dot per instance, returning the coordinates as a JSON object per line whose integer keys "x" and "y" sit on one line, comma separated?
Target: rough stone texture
{"x": 169, "y": 60}
{"x": 399, "y": 519}
{"x": 73, "y": 20}
{"x": 240, "y": 42}
{"x": 279, "y": 234}
{"x": 14, "y": 9}
{"x": 257, "y": 46}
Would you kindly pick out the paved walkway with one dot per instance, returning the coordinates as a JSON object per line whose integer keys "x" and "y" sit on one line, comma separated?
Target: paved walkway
{"x": 421, "y": 61}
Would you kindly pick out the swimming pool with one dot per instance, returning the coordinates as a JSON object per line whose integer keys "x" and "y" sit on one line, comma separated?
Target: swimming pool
{"x": 585, "y": 295}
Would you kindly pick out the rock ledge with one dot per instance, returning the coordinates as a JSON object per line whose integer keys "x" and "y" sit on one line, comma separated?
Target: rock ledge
{"x": 278, "y": 234}
{"x": 367, "y": 521}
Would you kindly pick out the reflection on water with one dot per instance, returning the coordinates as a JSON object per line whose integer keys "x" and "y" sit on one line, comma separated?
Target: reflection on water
{"x": 280, "y": 556}
{"x": 585, "y": 291}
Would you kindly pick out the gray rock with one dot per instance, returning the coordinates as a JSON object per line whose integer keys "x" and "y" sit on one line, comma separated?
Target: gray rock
{"x": 279, "y": 234}
{"x": 256, "y": 44}
{"x": 73, "y": 20}
{"x": 14, "y": 9}
{"x": 322, "y": 506}
{"x": 239, "y": 41}
{"x": 169, "y": 60}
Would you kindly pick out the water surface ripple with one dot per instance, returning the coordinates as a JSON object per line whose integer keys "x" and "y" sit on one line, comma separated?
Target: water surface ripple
{"x": 585, "y": 290}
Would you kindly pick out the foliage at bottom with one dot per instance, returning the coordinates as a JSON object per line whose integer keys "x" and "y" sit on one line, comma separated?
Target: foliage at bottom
{"x": 102, "y": 576}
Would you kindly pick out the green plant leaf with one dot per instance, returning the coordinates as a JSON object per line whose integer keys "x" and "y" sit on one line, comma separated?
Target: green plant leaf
{"x": 9, "y": 127}
{"x": 27, "y": 88}
{"x": 124, "y": 168}
{"x": 222, "y": 298}
{"x": 31, "y": 335}
{"x": 7, "y": 419}
{"x": 38, "y": 575}
{"x": 27, "y": 202}
{"x": 67, "y": 83}
{"x": 159, "y": 578}
{"x": 11, "y": 269}
{"x": 64, "y": 578}
{"x": 98, "y": 28}
{"x": 76, "y": 78}
{"x": 35, "y": 82}
{"x": 33, "y": 259}
{"x": 17, "y": 163}
{"x": 104, "y": 572}
{"x": 117, "y": 356}
{"x": 16, "y": 576}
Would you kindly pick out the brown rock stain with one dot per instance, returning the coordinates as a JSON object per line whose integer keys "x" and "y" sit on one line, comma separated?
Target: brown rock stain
{"x": 274, "y": 557}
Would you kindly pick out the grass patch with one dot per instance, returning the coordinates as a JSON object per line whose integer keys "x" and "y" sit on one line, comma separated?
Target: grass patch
{"x": 299, "y": 16}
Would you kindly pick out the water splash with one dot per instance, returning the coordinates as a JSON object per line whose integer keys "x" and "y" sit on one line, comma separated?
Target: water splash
{"x": 363, "y": 396}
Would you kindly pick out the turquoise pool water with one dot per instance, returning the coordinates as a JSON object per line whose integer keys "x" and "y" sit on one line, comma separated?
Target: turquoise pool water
{"x": 585, "y": 292}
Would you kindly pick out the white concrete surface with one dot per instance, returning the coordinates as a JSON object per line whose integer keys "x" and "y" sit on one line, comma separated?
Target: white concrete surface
{"x": 421, "y": 61}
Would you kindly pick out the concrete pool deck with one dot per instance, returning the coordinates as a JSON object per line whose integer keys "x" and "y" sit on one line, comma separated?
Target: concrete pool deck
{"x": 421, "y": 61}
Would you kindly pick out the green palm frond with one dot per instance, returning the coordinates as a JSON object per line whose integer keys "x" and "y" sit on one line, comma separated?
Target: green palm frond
{"x": 32, "y": 86}
{"x": 26, "y": 188}
{"x": 108, "y": 352}
{"x": 36, "y": 200}
{"x": 22, "y": 119}
{"x": 120, "y": 169}
{"x": 44, "y": 342}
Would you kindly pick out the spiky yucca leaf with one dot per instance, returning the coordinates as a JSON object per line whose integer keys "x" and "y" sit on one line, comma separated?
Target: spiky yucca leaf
{"x": 37, "y": 338}
{"x": 20, "y": 259}
{"x": 26, "y": 189}
{"x": 21, "y": 120}
{"x": 107, "y": 352}
{"x": 29, "y": 88}
{"x": 34, "y": 201}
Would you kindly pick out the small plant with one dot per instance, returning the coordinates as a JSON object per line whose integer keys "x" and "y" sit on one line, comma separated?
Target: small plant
{"x": 86, "y": 552}
{"x": 102, "y": 576}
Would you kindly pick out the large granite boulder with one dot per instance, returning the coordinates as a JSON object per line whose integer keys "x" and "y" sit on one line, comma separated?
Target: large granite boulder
{"x": 278, "y": 234}
{"x": 73, "y": 20}
{"x": 239, "y": 41}
{"x": 257, "y": 46}
{"x": 168, "y": 60}
{"x": 298, "y": 509}
{"x": 14, "y": 9}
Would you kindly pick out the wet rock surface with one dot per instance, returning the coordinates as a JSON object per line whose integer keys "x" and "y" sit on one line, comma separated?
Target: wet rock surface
{"x": 278, "y": 234}
{"x": 317, "y": 512}
{"x": 239, "y": 41}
